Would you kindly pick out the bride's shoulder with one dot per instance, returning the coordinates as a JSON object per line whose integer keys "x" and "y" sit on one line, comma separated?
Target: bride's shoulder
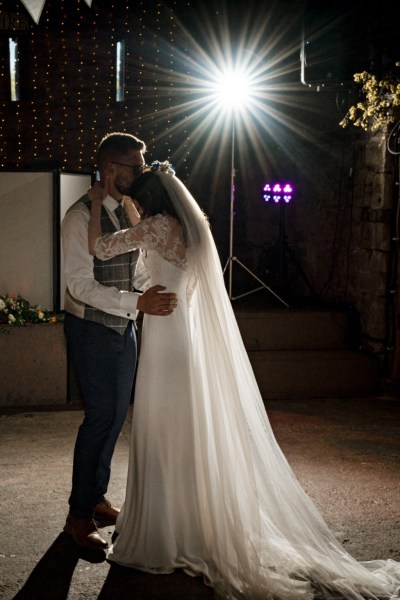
{"x": 163, "y": 225}
{"x": 165, "y": 221}
{"x": 154, "y": 222}
{"x": 174, "y": 225}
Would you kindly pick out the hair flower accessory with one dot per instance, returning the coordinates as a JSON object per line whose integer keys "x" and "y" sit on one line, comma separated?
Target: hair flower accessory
{"x": 163, "y": 167}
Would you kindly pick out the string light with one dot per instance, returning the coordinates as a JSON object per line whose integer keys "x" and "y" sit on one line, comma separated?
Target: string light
{"x": 4, "y": 106}
{"x": 63, "y": 91}
{"x": 69, "y": 103}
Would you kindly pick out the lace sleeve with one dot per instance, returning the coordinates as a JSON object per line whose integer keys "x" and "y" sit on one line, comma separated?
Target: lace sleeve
{"x": 161, "y": 233}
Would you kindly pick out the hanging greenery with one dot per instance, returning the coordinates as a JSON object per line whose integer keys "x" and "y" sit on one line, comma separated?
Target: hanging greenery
{"x": 377, "y": 109}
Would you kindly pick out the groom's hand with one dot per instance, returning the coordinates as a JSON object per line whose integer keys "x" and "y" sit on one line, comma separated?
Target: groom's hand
{"x": 155, "y": 302}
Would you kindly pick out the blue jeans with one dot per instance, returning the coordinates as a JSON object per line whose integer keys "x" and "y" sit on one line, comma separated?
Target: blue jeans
{"x": 105, "y": 364}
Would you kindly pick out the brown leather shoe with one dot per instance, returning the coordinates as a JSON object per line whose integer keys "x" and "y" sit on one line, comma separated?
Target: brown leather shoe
{"x": 104, "y": 511}
{"x": 85, "y": 532}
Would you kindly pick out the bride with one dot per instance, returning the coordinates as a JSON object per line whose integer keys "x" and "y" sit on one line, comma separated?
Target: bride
{"x": 209, "y": 490}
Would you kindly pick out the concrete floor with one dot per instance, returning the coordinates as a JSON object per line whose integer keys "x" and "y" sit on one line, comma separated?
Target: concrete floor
{"x": 345, "y": 452}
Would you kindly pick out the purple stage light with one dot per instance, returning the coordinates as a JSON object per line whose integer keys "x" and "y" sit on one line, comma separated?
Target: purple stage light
{"x": 278, "y": 192}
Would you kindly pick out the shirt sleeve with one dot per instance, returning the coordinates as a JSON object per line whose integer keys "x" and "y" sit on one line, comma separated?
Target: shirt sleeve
{"x": 78, "y": 270}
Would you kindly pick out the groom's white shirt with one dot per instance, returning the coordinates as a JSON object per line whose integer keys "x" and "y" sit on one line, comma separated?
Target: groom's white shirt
{"x": 82, "y": 287}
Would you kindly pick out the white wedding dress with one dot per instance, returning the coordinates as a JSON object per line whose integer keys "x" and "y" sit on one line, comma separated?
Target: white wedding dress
{"x": 209, "y": 490}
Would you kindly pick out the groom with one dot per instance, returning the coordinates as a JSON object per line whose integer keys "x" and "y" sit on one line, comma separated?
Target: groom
{"x": 100, "y": 313}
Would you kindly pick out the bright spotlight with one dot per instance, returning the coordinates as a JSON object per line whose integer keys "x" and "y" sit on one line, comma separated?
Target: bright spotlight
{"x": 230, "y": 90}
{"x": 233, "y": 89}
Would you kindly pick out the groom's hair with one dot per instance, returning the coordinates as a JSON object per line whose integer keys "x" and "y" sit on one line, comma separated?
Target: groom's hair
{"x": 115, "y": 145}
{"x": 152, "y": 196}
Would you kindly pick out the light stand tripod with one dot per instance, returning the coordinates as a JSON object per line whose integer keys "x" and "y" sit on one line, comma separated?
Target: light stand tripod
{"x": 280, "y": 255}
{"x": 231, "y": 259}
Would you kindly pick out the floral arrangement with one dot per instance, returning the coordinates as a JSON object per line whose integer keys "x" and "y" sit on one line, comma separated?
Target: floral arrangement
{"x": 16, "y": 311}
{"x": 163, "y": 167}
{"x": 381, "y": 97}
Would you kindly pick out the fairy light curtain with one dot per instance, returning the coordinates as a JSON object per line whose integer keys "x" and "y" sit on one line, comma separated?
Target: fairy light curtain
{"x": 35, "y": 7}
{"x": 68, "y": 83}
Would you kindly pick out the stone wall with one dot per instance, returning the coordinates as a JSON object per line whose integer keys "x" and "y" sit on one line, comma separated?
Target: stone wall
{"x": 370, "y": 250}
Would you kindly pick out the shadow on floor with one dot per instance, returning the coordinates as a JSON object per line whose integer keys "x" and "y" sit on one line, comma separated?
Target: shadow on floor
{"x": 51, "y": 578}
{"x": 129, "y": 584}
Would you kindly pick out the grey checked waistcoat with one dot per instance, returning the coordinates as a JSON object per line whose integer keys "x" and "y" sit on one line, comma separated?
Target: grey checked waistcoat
{"x": 116, "y": 272}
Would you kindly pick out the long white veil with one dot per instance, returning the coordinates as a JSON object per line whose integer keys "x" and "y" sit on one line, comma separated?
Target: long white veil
{"x": 265, "y": 537}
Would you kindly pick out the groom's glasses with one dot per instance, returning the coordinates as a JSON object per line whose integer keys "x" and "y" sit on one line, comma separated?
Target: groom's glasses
{"x": 136, "y": 169}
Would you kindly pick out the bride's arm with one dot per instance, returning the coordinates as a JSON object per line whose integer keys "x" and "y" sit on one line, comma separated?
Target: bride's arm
{"x": 96, "y": 194}
{"x": 151, "y": 233}
{"x": 131, "y": 211}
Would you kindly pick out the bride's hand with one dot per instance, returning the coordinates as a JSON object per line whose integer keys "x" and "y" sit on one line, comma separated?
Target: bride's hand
{"x": 131, "y": 211}
{"x": 97, "y": 192}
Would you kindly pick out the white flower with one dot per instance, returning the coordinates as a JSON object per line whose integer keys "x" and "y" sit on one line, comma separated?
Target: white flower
{"x": 40, "y": 314}
{"x": 2, "y": 304}
{"x": 163, "y": 166}
{"x": 11, "y": 318}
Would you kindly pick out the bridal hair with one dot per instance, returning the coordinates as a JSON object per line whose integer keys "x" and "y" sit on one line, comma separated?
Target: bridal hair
{"x": 116, "y": 145}
{"x": 158, "y": 190}
{"x": 152, "y": 196}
